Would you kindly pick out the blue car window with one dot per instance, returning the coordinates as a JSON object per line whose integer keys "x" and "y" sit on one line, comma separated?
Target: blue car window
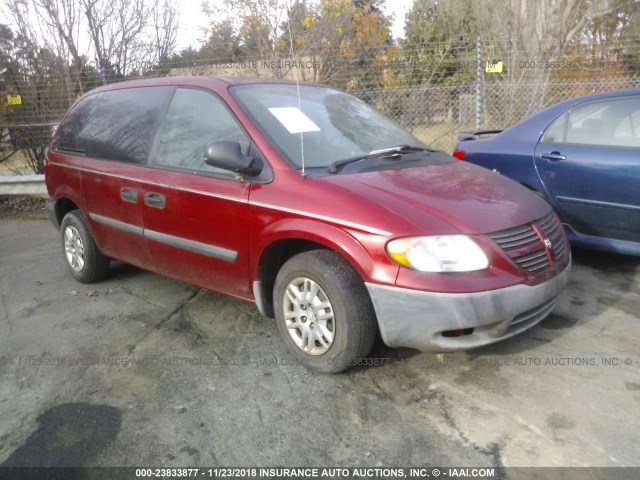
{"x": 556, "y": 132}
{"x": 586, "y": 125}
{"x": 627, "y": 133}
{"x": 612, "y": 123}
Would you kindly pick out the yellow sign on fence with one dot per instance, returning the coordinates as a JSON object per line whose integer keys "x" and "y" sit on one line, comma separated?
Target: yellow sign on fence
{"x": 494, "y": 67}
{"x": 14, "y": 99}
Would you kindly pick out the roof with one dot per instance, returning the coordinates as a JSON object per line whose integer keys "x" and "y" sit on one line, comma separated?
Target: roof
{"x": 202, "y": 81}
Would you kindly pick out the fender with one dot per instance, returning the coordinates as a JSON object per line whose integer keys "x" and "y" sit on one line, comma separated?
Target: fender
{"x": 64, "y": 179}
{"x": 68, "y": 193}
{"x": 346, "y": 242}
{"x": 65, "y": 191}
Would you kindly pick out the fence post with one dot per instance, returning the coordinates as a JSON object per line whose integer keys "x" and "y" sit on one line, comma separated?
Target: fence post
{"x": 479, "y": 85}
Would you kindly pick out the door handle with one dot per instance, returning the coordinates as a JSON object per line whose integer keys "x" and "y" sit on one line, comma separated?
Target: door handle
{"x": 154, "y": 199}
{"x": 553, "y": 156}
{"x": 129, "y": 194}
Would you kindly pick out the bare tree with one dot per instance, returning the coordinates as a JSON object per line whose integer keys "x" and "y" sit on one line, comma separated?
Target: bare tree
{"x": 39, "y": 76}
{"x": 63, "y": 18}
{"x": 165, "y": 29}
{"x": 539, "y": 32}
{"x": 116, "y": 27}
{"x": 123, "y": 34}
{"x": 52, "y": 25}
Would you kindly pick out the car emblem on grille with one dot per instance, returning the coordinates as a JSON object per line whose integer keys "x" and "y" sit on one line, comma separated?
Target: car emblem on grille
{"x": 547, "y": 242}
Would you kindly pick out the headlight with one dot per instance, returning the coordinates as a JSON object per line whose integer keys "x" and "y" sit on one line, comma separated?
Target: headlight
{"x": 441, "y": 253}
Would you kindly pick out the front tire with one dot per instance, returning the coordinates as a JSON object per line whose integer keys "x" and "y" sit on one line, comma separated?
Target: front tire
{"x": 323, "y": 311}
{"x": 84, "y": 259}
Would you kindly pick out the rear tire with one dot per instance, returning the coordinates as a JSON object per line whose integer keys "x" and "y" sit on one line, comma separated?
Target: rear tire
{"x": 323, "y": 311}
{"x": 84, "y": 259}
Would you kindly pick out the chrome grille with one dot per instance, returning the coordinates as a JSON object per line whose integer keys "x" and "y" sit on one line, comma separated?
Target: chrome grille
{"x": 526, "y": 248}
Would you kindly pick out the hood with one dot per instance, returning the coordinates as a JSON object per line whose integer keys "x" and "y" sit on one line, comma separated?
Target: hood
{"x": 468, "y": 198}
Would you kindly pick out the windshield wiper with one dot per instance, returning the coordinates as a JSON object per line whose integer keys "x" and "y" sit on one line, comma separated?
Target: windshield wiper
{"x": 393, "y": 152}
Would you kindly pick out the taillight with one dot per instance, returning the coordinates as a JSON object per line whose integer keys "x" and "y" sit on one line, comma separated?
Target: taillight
{"x": 459, "y": 154}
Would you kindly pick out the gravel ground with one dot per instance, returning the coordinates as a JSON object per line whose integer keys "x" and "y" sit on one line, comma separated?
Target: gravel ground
{"x": 22, "y": 207}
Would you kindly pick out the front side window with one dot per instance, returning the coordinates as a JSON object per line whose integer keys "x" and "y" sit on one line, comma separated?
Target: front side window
{"x": 195, "y": 118}
{"x": 116, "y": 125}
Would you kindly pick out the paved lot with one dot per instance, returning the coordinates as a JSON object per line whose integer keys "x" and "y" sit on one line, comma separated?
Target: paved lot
{"x": 143, "y": 370}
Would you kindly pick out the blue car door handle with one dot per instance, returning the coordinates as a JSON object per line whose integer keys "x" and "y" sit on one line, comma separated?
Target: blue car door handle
{"x": 553, "y": 156}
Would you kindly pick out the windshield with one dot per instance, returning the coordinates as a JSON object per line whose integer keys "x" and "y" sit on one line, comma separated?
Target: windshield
{"x": 322, "y": 125}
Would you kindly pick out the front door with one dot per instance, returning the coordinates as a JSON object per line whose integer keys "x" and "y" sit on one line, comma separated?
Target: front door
{"x": 196, "y": 217}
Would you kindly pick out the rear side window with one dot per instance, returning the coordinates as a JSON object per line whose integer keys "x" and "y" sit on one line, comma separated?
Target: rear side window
{"x": 611, "y": 123}
{"x": 116, "y": 125}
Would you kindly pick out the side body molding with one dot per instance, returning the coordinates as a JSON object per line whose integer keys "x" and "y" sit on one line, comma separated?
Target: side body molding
{"x": 179, "y": 242}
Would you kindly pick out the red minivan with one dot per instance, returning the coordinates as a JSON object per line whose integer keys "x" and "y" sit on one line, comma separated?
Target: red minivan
{"x": 308, "y": 202}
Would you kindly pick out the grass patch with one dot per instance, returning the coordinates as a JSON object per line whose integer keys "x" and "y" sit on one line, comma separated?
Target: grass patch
{"x": 442, "y": 136}
{"x": 15, "y": 163}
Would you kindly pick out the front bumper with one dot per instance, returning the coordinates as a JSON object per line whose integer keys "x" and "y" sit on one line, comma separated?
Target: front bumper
{"x": 417, "y": 319}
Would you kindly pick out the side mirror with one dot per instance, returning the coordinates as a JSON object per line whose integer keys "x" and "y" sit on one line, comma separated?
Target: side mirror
{"x": 227, "y": 155}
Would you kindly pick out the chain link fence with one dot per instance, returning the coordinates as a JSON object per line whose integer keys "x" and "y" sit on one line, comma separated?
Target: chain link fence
{"x": 23, "y": 147}
{"x": 434, "y": 112}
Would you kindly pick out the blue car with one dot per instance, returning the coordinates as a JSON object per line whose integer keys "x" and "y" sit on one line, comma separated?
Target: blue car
{"x": 583, "y": 156}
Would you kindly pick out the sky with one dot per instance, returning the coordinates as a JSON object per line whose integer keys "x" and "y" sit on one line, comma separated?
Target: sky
{"x": 192, "y": 20}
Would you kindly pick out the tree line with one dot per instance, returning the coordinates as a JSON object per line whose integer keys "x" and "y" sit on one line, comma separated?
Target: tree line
{"x": 51, "y": 51}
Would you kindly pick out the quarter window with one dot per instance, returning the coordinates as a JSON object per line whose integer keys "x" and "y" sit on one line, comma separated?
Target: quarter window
{"x": 194, "y": 119}
{"x": 555, "y": 133}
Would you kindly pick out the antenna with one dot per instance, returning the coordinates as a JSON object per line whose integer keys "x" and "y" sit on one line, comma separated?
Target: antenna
{"x": 304, "y": 175}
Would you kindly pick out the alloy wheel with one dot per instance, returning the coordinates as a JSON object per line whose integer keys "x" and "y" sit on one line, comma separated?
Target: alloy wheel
{"x": 74, "y": 248}
{"x": 309, "y": 316}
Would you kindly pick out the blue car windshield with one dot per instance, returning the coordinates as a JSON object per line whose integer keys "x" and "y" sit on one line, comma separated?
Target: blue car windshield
{"x": 319, "y": 124}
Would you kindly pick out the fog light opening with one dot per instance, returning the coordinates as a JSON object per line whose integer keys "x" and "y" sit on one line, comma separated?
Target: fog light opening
{"x": 461, "y": 332}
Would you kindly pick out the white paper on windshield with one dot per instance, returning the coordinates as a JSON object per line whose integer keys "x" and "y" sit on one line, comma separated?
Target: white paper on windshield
{"x": 294, "y": 120}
